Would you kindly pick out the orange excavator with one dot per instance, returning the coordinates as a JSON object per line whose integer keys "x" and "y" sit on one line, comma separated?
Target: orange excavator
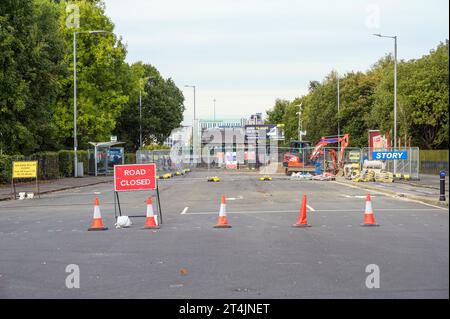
{"x": 301, "y": 156}
{"x": 324, "y": 141}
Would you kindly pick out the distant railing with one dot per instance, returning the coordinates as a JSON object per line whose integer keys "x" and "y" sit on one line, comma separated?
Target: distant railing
{"x": 433, "y": 161}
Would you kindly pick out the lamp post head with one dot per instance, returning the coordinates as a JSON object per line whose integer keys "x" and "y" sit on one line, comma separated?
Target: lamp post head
{"x": 377, "y": 35}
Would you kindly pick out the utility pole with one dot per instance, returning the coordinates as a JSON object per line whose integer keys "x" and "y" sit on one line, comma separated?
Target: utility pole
{"x": 140, "y": 118}
{"x": 338, "y": 107}
{"x": 300, "y": 126}
{"x": 395, "y": 91}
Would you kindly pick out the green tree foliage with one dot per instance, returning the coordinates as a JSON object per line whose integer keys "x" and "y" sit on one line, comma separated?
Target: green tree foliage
{"x": 162, "y": 108}
{"x": 102, "y": 76}
{"x": 31, "y": 66}
{"x": 367, "y": 103}
{"x": 422, "y": 96}
{"x": 36, "y": 81}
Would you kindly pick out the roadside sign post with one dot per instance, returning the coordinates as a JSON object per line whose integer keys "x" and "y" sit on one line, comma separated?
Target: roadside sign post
{"x": 24, "y": 169}
{"x": 135, "y": 177}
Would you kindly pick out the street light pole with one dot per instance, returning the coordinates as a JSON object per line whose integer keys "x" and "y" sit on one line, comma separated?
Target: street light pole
{"x": 140, "y": 118}
{"x": 193, "y": 122}
{"x": 300, "y": 128}
{"x": 395, "y": 91}
{"x": 395, "y": 84}
{"x": 338, "y": 107}
{"x": 75, "y": 141}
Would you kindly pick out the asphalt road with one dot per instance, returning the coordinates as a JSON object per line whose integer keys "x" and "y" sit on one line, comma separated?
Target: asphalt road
{"x": 261, "y": 256}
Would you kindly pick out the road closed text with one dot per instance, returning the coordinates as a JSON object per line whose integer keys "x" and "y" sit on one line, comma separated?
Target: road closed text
{"x": 134, "y": 177}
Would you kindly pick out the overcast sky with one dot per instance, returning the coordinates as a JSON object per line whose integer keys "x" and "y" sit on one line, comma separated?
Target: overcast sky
{"x": 247, "y": 53}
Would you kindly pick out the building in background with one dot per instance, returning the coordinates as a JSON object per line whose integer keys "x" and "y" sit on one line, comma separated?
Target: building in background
{"x": 180, "y": 136}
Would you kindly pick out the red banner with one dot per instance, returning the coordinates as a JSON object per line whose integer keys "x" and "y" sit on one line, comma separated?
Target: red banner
{"x": 135, "y": 177}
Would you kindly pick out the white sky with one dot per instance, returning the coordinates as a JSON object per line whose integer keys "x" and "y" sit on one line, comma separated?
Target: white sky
{"x": 247, "y": 53}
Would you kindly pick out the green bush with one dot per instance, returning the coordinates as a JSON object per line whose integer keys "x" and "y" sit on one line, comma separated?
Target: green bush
{"x": 6, "y": 167}
{"x": 66, "y": 159}
{"x": 48, "y": 164}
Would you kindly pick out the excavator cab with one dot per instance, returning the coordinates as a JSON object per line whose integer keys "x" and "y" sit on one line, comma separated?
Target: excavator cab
{"x": 293, "y": 160}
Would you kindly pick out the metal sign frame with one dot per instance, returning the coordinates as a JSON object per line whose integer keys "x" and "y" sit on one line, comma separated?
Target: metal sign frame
{"x": 117, "y": 199}
{"x": 13, "y": 185}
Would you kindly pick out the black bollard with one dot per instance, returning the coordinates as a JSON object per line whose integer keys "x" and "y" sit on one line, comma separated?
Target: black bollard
{"x": 442, "y": 180}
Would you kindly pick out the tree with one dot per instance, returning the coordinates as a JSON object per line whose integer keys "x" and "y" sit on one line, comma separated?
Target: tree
{"x": 102, "y": 77}
{"x": 162, "y": 107}
{"x": 31, "y": 59}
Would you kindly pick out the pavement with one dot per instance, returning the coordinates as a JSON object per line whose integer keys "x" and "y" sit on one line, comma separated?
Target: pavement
{"x": 261, "y": 256}
{"x": 49, "y": 186}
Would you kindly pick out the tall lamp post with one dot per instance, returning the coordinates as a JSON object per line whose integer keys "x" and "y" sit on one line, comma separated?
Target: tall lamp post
{"x": 75, "y": 141}
{"x": 193, "y": 122}
{"x": 395, "y": 91}
{"x": 395, "y": 83}
{"x": 338, "y": 108}
{"x": 300, "y": 128}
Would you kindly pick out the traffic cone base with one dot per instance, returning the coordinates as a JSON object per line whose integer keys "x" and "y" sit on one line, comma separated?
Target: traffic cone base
{"x": 369, "y": 225}
{"x": 301, "y": 225}
{"x": 97, "y": 228}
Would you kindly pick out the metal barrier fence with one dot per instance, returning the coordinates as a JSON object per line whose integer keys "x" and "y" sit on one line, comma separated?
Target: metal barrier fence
{"x": 266, "y": 159}
{"x": 407, "y": 166}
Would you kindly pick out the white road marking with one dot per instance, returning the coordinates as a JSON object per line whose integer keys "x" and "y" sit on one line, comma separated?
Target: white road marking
{"x": 234, "y": 198}
{"x": 184, "y": 210}
{"x": 310, "y": 208}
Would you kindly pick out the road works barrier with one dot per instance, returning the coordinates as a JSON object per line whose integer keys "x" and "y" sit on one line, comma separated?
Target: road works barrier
{"x": 135, "y": 177}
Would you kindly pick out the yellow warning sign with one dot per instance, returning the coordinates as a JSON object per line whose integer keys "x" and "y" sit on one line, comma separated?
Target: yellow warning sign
{"x": 25, "y": 169}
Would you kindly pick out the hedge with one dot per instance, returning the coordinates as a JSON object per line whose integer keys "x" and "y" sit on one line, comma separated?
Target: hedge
{"x": 52, "y": 165}
{"x": 6, "y": 167}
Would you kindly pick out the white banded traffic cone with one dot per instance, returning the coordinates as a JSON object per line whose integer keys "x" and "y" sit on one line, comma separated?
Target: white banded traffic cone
{"x": 97, "y": 223}
{"x": 222, "y": 221}
{"x": 369, "y": 219}
{"x": 150, "y": 221}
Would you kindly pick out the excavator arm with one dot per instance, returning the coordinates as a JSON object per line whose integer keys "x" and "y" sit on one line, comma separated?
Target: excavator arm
{"x": 324, "y": 141}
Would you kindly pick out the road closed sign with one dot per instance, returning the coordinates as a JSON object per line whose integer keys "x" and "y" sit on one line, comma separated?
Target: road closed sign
{"x": 136, "y": 177}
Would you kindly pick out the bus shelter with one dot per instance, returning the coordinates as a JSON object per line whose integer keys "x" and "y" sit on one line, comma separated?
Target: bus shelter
{"x": 103, "y": 156}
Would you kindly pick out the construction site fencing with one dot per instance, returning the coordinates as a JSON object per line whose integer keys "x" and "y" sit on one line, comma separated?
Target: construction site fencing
{"x": 264, "y": 159}
{"x": 408, "y": 166}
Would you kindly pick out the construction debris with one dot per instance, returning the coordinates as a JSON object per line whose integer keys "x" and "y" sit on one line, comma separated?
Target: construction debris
{"x": 324, "y": 177}
{"x": 301, "y": 176}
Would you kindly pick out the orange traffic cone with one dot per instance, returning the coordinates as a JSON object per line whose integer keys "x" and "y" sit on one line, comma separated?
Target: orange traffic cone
{"x": 301, "y": 221}
{"x": 150, "y": 221}
{"x": 369, "y": 220}
{"x": 97, "y": 223}
{"x": 222, "y": 221}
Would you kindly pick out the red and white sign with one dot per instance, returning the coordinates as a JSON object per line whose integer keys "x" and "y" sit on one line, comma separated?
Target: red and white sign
{"x": 135, "y": 177}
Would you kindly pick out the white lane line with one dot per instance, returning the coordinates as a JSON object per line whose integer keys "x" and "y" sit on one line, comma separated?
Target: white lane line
{"x": 184, "y": 210}
{"x": 317, "y": 210}
{"x": 310, "y": 208}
